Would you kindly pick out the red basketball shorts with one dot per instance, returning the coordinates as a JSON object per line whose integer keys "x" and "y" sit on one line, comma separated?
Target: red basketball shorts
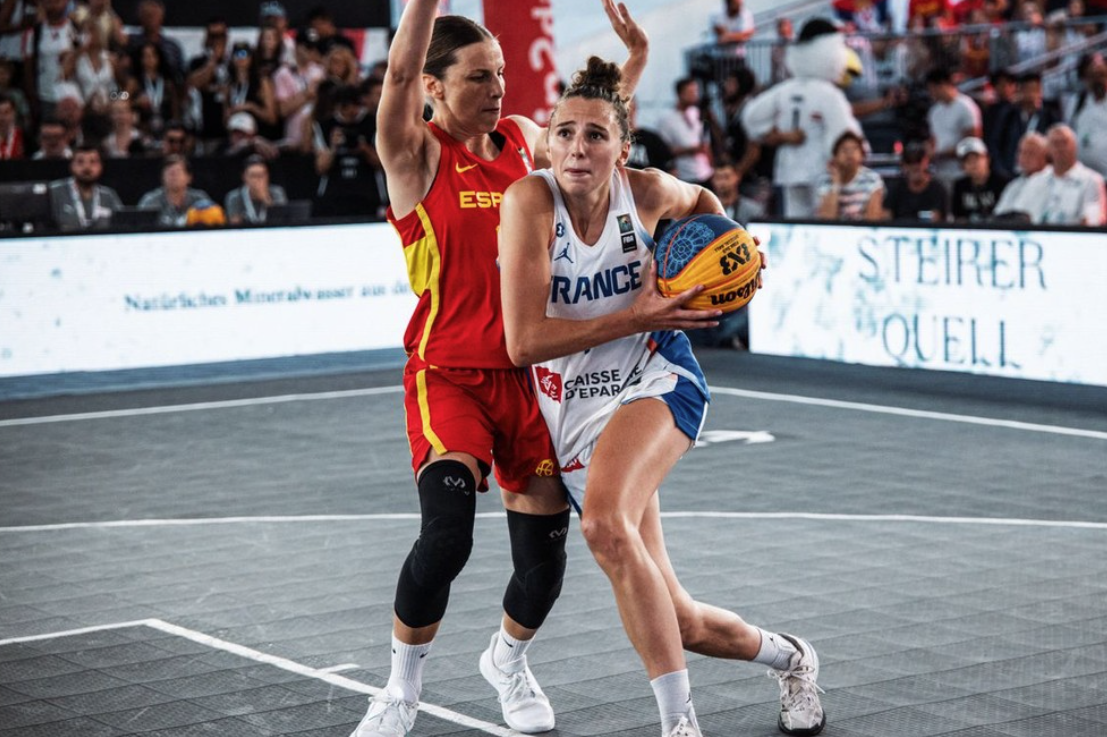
{"x": 491, "y": 414}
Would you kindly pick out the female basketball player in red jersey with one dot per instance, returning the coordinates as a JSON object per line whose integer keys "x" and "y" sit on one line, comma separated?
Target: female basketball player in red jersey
{"x": 582, "y": 307}
{"x": 468, "y": 407}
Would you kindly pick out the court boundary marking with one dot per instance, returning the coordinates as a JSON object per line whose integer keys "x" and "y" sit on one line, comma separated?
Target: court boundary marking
{"x": 813, "y": 516}
{"x": 720, "y": 390}
{"x": 327, "y": 675}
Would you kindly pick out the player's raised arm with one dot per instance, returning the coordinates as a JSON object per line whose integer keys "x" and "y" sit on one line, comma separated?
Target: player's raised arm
{"x": 402, "y": 137}
{"x": 635, "y": 39}
{"x": 637, "y": 43}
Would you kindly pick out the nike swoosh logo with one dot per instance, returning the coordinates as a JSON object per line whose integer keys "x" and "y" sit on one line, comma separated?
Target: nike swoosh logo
{"x": 462, "y": 169}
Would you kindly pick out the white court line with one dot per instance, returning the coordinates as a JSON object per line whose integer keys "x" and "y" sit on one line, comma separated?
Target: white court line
{"x": 200, "y": 521}
{"x": 919, "y": 413}
{"x": 224, "y": 404}
{"x": 283, "y": 663}
{"x": 340, "y": 668}
{"x": 769, "y": 396}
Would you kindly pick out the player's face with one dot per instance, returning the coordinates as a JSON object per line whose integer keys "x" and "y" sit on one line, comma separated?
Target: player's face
{"x": 585, "y": 144}
{"x": 473, "y": 88}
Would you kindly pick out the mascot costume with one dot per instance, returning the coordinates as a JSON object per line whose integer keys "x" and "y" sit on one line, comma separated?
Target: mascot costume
{"x": 805, "y": 115}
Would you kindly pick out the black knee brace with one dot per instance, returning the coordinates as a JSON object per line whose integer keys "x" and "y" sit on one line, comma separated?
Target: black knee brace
{"x": 448, "y": 499}
{"x": 538, "y": 552}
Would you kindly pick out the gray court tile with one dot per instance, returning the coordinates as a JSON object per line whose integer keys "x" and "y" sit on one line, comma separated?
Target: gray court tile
{"x": 68, "y": 684}
{"x": 902, "y": 721}
{"x": 300, "y": 718}
{"x": 923, "y": 628}
{"x": 1051, "y": 725}
{"x": 1096, "y": 713}
{"x": 9, "y": 697}
{"x": 118, "y": 698}
{"x": 981, "y": 710}
{"x": 34, "y": 712}
{"x": 216, "y": 728}
{"x": 1059, "y": 692}
{"x": 158, "y": 716}
{"x": 19, "y": 651}
{"x": 34, "y": 666}
{"x": 83, "y": 726}
{"x": 206, "y": 684}
{"x": 106, "y": 657}
{"x": 248, "y": 701}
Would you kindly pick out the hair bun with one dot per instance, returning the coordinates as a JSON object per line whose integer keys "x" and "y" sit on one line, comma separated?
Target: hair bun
{"x": 599, "y": 74}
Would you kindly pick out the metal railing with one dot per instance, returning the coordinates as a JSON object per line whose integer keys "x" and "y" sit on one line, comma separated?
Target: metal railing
{"x": 889, "y": 60}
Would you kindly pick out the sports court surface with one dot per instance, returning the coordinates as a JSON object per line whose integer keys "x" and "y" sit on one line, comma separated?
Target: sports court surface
{"x": 219, "y": 558}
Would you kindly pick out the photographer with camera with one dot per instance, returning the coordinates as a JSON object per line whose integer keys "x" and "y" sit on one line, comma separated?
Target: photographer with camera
{"x": 346, "y": 160}
{"x": 207, "y": 79}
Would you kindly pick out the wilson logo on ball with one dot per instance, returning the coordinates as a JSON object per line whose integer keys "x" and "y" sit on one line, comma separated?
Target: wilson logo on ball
{"x": 711, "y": 250}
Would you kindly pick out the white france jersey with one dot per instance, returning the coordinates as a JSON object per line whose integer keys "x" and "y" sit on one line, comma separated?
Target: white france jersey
{"x": 579, "y": 393}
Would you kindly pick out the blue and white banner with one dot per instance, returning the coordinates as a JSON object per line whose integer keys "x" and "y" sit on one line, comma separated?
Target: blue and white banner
{"x": 1023, "y": 304}
{"x": 103, "y": 302}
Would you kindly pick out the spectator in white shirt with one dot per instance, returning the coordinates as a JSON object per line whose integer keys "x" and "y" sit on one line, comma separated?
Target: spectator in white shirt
{"x": 849, "y": 190}
{"x": 1089, "y": 121}
{"x": 1069, "y": 193}
{"x": 953, "y": 117}
{"x": 683, "y": 130}
{"x": 1032, "y": 158}
{"x": 296, "y": 86}
{"x": 734, "y": 27}
{"x": 48, "y": 46}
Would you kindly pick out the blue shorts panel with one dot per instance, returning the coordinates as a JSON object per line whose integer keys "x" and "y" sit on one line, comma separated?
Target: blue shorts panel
{"x": 689, "y": 407}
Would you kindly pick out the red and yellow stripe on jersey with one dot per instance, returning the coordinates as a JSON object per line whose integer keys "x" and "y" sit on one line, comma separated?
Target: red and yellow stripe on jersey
{"x": 450, "y": 246}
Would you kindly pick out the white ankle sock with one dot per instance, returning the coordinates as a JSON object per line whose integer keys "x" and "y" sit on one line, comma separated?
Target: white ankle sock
{"x": 509, "y": 654}
{"x": 776, "y": 651}
{"x": 406, "y": 680}
{"x": 674, "y": 699}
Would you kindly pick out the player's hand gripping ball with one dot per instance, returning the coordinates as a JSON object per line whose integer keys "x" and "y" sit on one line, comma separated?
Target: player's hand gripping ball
{"x": 711, "y": 250}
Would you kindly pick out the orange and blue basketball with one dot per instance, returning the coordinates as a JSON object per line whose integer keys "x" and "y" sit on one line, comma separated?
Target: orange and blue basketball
{"x": 711, "y": 250}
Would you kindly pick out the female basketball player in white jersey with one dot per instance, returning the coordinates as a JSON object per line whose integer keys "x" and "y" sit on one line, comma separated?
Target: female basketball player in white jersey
{"x": 582, "y": 309}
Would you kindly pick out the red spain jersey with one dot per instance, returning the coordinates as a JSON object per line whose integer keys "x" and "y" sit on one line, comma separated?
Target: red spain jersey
{"x": 450, "y": 244}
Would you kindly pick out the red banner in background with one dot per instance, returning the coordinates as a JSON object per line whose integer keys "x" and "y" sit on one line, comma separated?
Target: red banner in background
{"x": 525, "y": 31}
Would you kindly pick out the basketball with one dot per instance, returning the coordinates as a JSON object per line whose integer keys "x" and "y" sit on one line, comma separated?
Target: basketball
{"x": 711, "y": 250}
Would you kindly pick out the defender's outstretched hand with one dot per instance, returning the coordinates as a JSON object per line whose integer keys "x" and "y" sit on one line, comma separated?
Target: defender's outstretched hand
{"x": 630, "y": 33}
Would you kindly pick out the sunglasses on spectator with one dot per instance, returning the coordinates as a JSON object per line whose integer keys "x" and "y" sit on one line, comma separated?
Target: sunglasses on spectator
{"x": 174, "y": 139}
{"x": 242, "y": 54}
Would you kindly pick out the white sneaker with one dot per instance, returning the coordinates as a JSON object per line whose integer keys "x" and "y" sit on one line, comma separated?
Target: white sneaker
{"x": 801, "y": 713}
{"x": 387, "y": 717}
{"x": 526, "y": 709}
{"x": 684, "y": 728}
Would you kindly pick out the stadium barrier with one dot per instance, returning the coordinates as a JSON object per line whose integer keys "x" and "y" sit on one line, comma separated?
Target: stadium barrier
{"x": 122, "y": 301}
{"x": 1021, "y": 303}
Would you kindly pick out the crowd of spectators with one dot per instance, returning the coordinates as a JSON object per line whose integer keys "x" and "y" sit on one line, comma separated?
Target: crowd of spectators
{"x": 75, "y": 85}
{"x": 1027, "y": 146}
